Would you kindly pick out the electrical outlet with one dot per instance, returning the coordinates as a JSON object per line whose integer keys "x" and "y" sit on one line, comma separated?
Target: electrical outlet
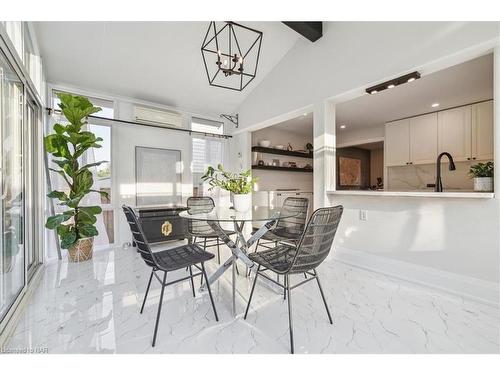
{"x": 363, "y": 215}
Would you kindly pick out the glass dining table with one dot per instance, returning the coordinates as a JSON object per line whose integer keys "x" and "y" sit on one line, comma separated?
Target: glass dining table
{"x": 265, "y": 216}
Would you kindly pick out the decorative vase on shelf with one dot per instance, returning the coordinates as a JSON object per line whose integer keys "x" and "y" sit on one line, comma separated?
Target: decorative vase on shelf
{"x": 242, "y": 202}
{"x": 483, "y": 184}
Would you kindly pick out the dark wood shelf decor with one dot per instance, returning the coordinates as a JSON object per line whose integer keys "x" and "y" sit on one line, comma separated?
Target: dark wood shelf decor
{"x": 276, "y": 151}
{"x": 287, "y": 169}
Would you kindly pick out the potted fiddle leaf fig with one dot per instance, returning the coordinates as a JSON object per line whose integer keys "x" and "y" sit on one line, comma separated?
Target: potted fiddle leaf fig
{"x": 238, "y": 184}
{"x": 76, "y": 225}
{"x": 483, "y": 176}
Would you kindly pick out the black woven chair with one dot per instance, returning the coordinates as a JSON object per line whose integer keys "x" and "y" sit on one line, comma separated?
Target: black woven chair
{"x": 201, "y": 229}
{"x": 168, "y": 261}
{"x": 311, "y": 250}
{"x": 287, "y": 229}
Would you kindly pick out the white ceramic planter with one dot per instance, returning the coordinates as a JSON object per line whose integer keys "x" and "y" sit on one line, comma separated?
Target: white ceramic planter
{"x": 242, "y": 202}
{"x": 483, "y": 183}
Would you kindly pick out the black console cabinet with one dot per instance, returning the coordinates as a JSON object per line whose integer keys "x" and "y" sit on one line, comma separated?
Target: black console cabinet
{"x": 162, "y": 223}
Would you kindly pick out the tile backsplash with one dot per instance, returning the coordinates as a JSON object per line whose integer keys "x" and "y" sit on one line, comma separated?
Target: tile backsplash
{"x": 416, "y": 177}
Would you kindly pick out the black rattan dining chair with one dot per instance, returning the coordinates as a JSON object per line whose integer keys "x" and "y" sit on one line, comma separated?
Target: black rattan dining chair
{"x": 288, "y": 229}
{"x": 185, "y": 256}
{"x": 311, "y": 250}
{"x": 200, "y": 231}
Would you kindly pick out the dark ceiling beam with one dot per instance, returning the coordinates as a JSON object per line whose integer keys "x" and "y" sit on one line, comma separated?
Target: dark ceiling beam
{"x": 311, "y": 30}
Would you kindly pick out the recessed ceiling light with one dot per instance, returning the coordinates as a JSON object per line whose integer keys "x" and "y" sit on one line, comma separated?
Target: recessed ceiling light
{"x": 305, "y": 114}
{"x": 342, "y": 126}
{"x": 373, "y": 92}
{"x": 391, "y": 86}
{"x": 434, "y": 105}
{"x": 411, "y": 79}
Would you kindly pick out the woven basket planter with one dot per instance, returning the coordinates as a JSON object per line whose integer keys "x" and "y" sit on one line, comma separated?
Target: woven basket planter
{"x": 82, "y": 250}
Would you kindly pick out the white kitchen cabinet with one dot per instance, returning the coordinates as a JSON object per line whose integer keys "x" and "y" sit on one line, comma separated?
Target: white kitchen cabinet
{"x": 423, "y": 139}
{"x": 482, "y": 131}
{"x": 455, "y": 131}
{"x": 465, "y": 132}
{"x": 397, "y": 143}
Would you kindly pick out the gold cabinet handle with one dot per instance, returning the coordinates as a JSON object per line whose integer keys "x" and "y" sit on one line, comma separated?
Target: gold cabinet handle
{"x": 166, "y": 228}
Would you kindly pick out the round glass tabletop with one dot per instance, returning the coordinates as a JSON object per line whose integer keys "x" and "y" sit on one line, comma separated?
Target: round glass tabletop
{"x": 257, "y": 213}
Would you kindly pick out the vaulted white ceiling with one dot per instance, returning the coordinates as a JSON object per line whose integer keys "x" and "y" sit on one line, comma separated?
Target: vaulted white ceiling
{"x": 154, "y": 61}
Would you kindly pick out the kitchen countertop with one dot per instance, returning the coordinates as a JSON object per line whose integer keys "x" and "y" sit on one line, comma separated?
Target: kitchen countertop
{"x": 284, "y": 191}
{"x": 416, "y": 193}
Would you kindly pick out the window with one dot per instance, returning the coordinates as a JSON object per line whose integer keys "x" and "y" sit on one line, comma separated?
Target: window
{"x": 206, "y": 151}
{"x": 32, "y": 60}
{"x": 15, "y": 32}
{"x": 12, "y": 194}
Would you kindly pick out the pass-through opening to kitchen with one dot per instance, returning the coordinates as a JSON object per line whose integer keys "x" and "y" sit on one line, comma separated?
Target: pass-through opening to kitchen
{"x": 420, "y": 133}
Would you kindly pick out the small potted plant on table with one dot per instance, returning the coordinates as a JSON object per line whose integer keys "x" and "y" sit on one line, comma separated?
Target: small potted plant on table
{"x": 68, "y": 144}
{"x": 483, "y": 176}
{"x": 238, "y": 184}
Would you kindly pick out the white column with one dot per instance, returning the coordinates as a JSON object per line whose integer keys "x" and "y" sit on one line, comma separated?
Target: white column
{"x": 324, "y": 152}
{"x": 496, "y": 121}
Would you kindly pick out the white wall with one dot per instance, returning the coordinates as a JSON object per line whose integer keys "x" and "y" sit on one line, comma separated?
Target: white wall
{"x": 125, "y": 138}
{"x": 456, "y": 235}
{"x": 352, "y": 55}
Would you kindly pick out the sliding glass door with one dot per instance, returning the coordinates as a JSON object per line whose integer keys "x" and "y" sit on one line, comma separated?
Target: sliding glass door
{"x": 12, "y": 267}
{"x": 33, "y": 224}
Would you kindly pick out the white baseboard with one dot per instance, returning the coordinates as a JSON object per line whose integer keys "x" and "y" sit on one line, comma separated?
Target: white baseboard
{"x": 464, "y": 286}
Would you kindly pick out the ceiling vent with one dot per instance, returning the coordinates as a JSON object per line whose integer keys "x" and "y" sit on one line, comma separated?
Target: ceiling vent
{"x": 159, "y": 117}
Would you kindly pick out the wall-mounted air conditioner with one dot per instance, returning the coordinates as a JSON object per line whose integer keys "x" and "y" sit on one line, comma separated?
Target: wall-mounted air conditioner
{"x": 159, "y": 117}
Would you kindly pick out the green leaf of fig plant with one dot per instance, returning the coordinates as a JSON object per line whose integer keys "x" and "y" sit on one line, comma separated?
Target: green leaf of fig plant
{"x": 67, "y": 145}
{"x": 236, "y": 183}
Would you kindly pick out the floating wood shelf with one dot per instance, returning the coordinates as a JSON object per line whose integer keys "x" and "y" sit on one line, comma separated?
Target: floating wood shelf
{"x": 287, "y": 169}
{"x": 276, "y": 151}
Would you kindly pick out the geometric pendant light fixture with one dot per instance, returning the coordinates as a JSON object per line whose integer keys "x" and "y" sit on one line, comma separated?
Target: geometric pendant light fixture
{"x": 231, "y": 54}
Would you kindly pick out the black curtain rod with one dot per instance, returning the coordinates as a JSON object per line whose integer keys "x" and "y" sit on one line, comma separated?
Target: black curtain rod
{"x": 225, "y": 136}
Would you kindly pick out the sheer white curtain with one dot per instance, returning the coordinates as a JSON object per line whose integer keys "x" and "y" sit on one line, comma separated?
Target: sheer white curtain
{"x": 208, "y": 151}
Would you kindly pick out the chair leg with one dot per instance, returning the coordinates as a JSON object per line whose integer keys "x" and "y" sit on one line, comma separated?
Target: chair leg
{"x": 147, "y": 291}
{"x": 218, "y": 251}
{"x": 204, "y": 249}
{"x": 209, "y": 291}
{"x": 290, "y": 323}
{"x": 251, "y": 292}
{"x": 159, "y": 308}
{"x": 285, "y": 283}
{"x": 277, "y": 275}
{"x": 192, "y": 280}
{"x": 323, "y": 296}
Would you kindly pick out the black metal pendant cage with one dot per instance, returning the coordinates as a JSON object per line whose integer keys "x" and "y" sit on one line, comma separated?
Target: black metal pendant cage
{"x": 231, "y": 54}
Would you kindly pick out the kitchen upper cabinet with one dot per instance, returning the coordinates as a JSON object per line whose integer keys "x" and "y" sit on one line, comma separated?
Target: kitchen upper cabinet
{"x": 465, "y": 132}
{"x": 455, "y": 131}
{"x": 423, "y": 139}
{"x": 397, "y": 143}
{"x": 482, "y": 131}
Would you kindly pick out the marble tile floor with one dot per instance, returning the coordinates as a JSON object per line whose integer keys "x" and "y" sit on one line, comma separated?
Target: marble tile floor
{"x": 93, "y": 307}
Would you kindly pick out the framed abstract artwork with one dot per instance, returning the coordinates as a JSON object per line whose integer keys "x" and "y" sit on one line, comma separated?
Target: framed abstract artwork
{"x": 350, "y": 171}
